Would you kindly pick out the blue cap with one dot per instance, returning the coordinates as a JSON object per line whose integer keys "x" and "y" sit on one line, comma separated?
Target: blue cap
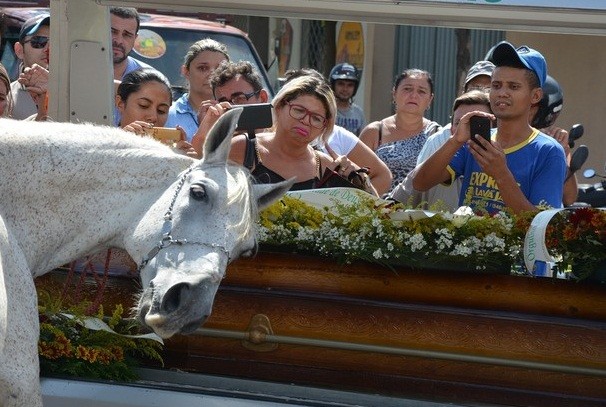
{"x": 32, "y": 25}
{"x": 505, "y": 54}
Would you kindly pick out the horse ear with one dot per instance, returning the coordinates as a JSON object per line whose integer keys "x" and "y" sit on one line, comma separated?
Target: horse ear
{"x": 266, "y": 194}
{"x": 218, "y": 140}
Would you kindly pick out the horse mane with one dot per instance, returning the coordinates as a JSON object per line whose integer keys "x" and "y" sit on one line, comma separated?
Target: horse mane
{"x": 243, "y": 194}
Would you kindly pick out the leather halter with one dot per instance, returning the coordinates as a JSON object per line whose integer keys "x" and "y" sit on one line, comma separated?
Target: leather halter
{"x": 167, "y": 238}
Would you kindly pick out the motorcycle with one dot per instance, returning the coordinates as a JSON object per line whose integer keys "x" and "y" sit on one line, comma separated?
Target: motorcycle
{"x": 589, "y": 194}
{"x": 593, "y": 194}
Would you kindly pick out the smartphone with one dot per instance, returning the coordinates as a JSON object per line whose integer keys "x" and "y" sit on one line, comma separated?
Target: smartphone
{"x": 165, "y": 134}
{"x": 255, "y": 116}
{"x": 479, "y": 126}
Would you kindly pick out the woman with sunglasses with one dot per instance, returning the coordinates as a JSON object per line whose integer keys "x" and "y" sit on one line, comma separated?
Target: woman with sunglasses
{"x": 304, "y": 110}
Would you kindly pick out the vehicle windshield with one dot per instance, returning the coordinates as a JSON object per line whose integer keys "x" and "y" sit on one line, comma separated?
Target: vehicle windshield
{"x": 165, "y": 48}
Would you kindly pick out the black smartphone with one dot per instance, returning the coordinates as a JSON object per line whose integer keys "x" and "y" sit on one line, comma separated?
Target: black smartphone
{"x": 255, "y": 116}
{"x": 479, "y": 126}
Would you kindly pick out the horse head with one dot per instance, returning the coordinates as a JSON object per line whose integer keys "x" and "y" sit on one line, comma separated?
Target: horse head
{"x": 201, "y": 223}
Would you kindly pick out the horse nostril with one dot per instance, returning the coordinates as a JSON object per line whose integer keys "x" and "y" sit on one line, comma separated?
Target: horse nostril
{"x": 175, "y": 296}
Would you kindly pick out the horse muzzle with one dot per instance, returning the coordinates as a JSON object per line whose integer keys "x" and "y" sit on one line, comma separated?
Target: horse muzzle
{"x": 181, "y": 307}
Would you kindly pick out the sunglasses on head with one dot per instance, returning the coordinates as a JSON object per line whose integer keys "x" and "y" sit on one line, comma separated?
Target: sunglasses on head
{"x": 37, "y": 41}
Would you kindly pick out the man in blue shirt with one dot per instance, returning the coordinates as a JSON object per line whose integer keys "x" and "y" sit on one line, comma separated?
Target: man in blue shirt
{"x": 520, "y": 168}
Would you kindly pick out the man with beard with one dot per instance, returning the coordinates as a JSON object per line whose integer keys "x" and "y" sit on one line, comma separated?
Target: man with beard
{"x": 344, "y": 81}
{"x": 125, "y": 25}
{"x": 33, "y": 49}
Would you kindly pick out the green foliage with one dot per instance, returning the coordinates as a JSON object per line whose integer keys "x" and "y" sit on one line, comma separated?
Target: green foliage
{"x": 393, "y": 235}
{"x": 67, "y": 347}
{"x": 377, "y": 234}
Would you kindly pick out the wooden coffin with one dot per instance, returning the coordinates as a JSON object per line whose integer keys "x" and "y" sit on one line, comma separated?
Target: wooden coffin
{"x": 445, "y": 336}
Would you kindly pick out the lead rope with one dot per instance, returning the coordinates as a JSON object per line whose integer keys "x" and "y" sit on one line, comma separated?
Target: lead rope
{"x": 167, "y": 228}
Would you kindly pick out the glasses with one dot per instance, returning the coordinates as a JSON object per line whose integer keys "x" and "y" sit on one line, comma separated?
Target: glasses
{"x": 37, "y": 41}
{"x": 239, "y": 98}
{"x": 299, "y": 112}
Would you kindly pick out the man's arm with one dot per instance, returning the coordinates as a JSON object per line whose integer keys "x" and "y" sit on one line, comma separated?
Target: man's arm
{"x": 434, "y": 170}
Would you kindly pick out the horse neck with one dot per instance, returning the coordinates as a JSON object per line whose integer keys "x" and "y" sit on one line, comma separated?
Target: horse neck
{"x": 69, "y": 190}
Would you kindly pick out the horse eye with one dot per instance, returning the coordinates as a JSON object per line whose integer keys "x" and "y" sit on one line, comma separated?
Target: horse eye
{"x": 198, "y": 192}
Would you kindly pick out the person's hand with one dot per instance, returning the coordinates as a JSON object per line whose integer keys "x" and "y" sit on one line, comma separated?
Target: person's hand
{"x": 345, "y": 166}
{"x": 210, "y": 111}
{"x": 560, "y": 135}
{"x": 184, "y": 146}
{"x": 490, "y": 156}
{"x": 138, "y": 127}
{"x": 35, "y": 81}
{"x": 462, "y": 134}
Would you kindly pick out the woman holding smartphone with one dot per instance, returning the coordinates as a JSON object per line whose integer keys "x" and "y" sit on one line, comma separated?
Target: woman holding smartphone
{"x": 143, "y": 99}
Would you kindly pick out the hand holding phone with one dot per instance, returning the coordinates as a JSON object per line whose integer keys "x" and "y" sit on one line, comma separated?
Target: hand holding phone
{"x": 479, "y": 126}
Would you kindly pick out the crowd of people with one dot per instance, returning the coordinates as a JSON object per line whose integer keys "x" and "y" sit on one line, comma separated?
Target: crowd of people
{"x": 316, "y": 124}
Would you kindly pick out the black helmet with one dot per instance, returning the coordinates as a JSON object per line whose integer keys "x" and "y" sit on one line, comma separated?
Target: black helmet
{"x": 344, "y": 71}
{"x": 550, "y": 105}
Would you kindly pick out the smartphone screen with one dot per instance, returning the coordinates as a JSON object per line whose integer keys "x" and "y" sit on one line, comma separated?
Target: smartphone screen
{"x": 479, "y": 126}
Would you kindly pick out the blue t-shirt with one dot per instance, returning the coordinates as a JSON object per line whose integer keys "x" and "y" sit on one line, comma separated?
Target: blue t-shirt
{"x": 538, "y": 164}
{"x": 182, "y": 114}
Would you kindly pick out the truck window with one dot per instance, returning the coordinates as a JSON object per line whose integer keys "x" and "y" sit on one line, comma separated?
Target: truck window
{"x": 166, "y": 48}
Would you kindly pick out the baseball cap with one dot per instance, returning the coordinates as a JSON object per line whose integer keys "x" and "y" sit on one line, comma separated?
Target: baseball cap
{"x": 504, "y": 53}
{"x": 479, "y": 68}
{"x": 32, "y": 25}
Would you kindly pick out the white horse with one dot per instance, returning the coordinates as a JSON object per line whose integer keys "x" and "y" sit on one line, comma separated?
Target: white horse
{"x": 71, "y": 189}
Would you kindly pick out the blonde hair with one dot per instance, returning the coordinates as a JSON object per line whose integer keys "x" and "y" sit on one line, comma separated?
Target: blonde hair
{"x": 5, "y": 79}
{"x": 313, "y": 86}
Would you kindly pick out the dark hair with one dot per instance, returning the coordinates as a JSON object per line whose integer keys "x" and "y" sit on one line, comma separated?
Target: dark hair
{"x": 296, "y": 73}
{"x": 127, "y": 13}
{"x": 531, "y": 76}
{"x": 205, "y": 44}
{"x": 413, "y": 72}
{"x": 473, "y": 97}
{"x": 229, "y": 70}
{"x": 133, "y": 81}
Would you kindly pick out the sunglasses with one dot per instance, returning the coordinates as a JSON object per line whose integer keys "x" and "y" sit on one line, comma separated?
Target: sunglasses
{"x": 37, "y": 41}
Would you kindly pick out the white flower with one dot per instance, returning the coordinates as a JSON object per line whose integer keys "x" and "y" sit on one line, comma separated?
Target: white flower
{"x": 417, "y": 242}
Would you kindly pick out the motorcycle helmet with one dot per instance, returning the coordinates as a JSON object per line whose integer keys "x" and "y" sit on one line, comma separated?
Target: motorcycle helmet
{"x": 344, "y": 71}
{"x": 550, "y": 105}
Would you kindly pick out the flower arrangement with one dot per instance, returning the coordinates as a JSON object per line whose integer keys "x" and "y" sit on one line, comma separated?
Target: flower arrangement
{"x": 383, "y": 233}
{"x": 72, "y": 344}
{"x": 577, "y": 239}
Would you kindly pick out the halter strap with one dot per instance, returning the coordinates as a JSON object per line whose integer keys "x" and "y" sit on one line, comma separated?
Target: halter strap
{"x": 167, "y": 239}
